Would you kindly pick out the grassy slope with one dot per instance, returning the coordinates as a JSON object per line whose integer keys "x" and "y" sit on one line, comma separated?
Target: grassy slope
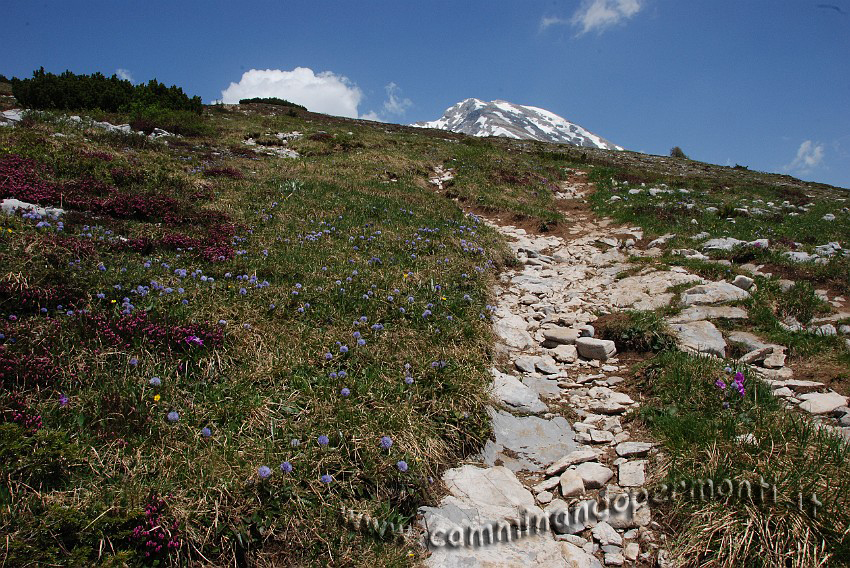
{"x": 750, "y": 438}
{"x": 75, "y": 488}
{"x": 323, "y": 248}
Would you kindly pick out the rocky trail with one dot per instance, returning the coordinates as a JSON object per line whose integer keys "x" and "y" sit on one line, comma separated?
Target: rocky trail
{"x": 560, "y": 483}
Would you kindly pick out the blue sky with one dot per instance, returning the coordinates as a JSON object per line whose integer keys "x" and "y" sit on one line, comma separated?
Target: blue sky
{"x": 760, "y": 83}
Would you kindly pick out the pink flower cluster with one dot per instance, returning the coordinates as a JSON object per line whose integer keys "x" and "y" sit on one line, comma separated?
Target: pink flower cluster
{"x": 155, "y": 535}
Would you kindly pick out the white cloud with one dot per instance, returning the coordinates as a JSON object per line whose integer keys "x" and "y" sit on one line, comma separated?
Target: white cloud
{"x": 325, "y": 92}
{"x": 809, "y": 155}
{"x": 124, "y": 74}
{"x": 546, "y": 21}
{"x": 394, "y": 106}
{"x": 600, "y": 15}
{"x": 394, "y": 103}
{"x": 372, "y": 115}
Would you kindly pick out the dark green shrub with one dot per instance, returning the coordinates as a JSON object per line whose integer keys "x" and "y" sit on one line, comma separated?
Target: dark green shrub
{"x": 637, "y": 330}
{"x": 185, "y": 123}
{"x": 41, "y": 460}
{"x": 271, "y": 101}
{"x": 801, "y": 302}
{"x": 676, "y": 152}
{"x": 71, "y": 91}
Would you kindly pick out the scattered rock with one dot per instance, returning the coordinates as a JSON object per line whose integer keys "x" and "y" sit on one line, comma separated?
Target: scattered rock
{"x": 699, "y": 337}
{"x": 632, "y": 449}
{"x": 599, "y": 349}
{"x": 743, "y": 282}
{"x": 565, "y": 353}
{"x": 697, "y": 313}
{"x": 572, "y": 484}
{"x": 527, "y": 442}
{"x": 604, "y": 534}
{"x": 594, "y": 475}
{"x": 822, "y": 403}
{"x": 573, "y": 458}
{"x": 632, "y": 473}
{"x": 510, "y": 391}
{"x": 561, "y": 335}
{"x": 713, "y": 293}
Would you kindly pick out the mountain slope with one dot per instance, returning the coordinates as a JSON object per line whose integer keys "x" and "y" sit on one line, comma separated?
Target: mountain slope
{"x": 501, "y": 118}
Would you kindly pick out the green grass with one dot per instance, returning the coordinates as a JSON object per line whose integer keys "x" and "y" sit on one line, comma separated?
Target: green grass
{"x": 324, "y": 232}
{"x": 750, "y": 440}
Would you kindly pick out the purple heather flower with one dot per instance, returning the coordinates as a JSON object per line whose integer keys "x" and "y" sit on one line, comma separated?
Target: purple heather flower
{"x": 386, "y": 442}
{"x": 720, "y": 384}
{"x": 173, "y": 416}
{"x": 345, "y": 392}
{"x": 63, "y": 400}
{"x": 323, "y": 440}
{"x": 206, "y": 432}
{"x": 402, "y": 466}
{"x": 326, "y": 478}
{"x": 264, "y": 471}
{"x": 286, "y": 467}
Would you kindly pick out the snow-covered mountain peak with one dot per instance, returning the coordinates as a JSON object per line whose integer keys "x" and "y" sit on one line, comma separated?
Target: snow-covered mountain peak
{"x": 502, "y": 118}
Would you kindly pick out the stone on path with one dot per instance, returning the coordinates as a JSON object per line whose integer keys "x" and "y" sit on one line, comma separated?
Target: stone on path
{"x": 510, "y": 391}
{"x": 565, "y": 353}
{"x": 546, "y": 365}
{"x": 743, "y": 282}
{"x": 822, "y": 402}
{"x": 573, "y": 458}
{"x": 604, "y": 534}
{"x": 599, "y": 349}
{"x": 525, "y": 363}
{"x": 572, "y": 484}
{"x": 535, "y": 550}
{"x": 595, "y": 475}
{"x": 632, "y": 473}
{"x": 712, "y": 293}
{"x": 495, "y": 492}
{"x": 697, "y": 313}
{"x": 527, "y": 443}
{"x": 513, "y": 331}
{"x": 699, "y": 337}
{"x": 632, "y": 449}
{"x": 560, "y": 336}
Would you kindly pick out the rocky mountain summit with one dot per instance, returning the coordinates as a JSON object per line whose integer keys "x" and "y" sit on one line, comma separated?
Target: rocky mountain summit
{"x": 501, "y": 118}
